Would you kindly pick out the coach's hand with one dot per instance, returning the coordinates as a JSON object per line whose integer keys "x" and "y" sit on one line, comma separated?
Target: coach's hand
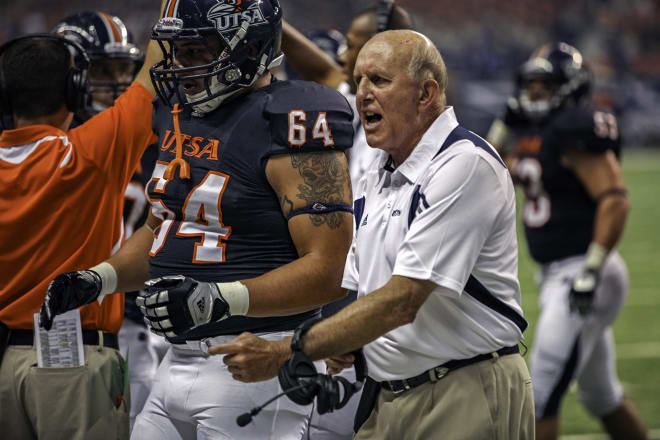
{"x": 175, "y": 304}
{"x": 67, "y": 292}
{"x": 250, "y": 358}
{"x": 581, "y": 296}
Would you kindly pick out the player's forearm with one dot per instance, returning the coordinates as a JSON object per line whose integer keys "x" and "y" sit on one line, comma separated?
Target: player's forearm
{"x": 611, "y": 216}
{"x": 303, "y": 284}
{"x": 310, "y": 62}
{"x": 131, "y": 262}
{"x": 152, "y": 56}
{"x": 393, "y": 305}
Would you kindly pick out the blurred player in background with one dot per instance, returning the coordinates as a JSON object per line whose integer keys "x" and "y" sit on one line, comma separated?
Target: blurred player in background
{"x": 565, "y": 155}
{"x": 251, "y": 204}
{"x": 115, "y": 61}
{"x": 331, "y": 42}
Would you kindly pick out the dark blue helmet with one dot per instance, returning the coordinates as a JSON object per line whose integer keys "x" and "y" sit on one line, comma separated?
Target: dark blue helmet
{"x": 332, "y": 42}
{"x": 241, "y": 38}
{"x": 104, "y": 37}
{"x": 563, "y": 71}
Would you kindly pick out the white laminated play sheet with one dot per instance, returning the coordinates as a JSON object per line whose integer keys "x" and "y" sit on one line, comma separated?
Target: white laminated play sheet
{"x": 62, "y": 346}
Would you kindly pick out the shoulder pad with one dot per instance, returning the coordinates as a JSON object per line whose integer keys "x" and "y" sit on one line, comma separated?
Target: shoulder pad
{"x": 587, "y": 129}
{"x": 307, "y": 116}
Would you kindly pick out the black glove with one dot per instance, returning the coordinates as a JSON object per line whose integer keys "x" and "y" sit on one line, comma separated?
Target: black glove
{"x": 67, "y": 292}
{"x": 175, "y": 304}
{"x": 581, "y": 296}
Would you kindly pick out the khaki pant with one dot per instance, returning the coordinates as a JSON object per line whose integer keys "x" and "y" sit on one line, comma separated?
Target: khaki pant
{"x": 488, "y": 400}
{"x": 62, "y": 403}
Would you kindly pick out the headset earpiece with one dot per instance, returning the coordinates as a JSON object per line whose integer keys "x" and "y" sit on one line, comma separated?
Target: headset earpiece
{"x": 332, "y": 393}
{"x": 297, "y": 370}
{"x": 76, "y": 89}
{"x": 76, "y": 79}
{"x": 385, "y": 8}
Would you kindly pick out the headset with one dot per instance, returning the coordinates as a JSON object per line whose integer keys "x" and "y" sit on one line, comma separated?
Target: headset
{"x": 302, "y": 383}
{"x": 385, "y": 8}
{"x": 76, "y": 78}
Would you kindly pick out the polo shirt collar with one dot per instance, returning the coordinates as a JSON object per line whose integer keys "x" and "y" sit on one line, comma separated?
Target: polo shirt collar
{"x": 427, "y": 147}
{"x": 26, "y": 135}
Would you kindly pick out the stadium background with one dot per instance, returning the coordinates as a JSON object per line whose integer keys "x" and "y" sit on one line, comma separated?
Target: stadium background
{"x": 483, "y": 41}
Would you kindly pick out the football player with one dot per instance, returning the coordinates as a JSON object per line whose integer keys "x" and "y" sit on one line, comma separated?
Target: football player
{"x": 251, "y": 216}
{"x": 565, "y": 155}
{"x": 114, "y": 62}
{"x": 114, "y": 59}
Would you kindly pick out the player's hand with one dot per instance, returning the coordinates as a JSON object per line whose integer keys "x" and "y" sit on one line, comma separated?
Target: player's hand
{"x": 336, "y": 364}
{"x": 250, "y": 358}
{"x": 67, "y": 292}
{"x": 581, "y": 296}
{"x": 175, "y": 304}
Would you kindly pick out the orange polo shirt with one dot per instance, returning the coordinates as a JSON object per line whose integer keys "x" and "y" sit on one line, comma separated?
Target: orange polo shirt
{"x": 61, "y": 199}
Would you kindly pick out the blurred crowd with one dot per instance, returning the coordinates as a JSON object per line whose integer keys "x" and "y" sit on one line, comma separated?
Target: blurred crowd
{"x": 483, "y": 42}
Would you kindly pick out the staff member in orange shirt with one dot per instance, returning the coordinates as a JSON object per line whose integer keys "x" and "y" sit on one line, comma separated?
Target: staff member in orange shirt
{"x": 61, "y": 197}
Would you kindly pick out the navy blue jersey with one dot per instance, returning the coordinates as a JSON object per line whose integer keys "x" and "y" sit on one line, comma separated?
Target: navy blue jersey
{"x": 559, "y": 213}
{"x": 136, "y": 209}
{"x": 225, "y": 222}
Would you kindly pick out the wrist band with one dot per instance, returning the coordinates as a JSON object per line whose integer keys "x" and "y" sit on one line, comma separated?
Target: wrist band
{"x": 596, "y": 255}
{"x": 108, "y": 278}
{"x": 237, "y": 296}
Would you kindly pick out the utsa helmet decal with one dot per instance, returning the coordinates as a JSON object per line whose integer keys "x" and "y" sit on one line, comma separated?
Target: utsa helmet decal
{"x": 216, "y": 49}
{"x": 562, "y": 71}
{"x": 105, "y": 39}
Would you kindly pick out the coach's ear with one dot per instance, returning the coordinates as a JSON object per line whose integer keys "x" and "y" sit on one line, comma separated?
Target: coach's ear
{"x": 429, "y": 92}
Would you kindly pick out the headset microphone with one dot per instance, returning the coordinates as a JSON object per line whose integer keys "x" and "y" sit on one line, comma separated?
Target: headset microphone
{"x": 302, "y": 383}
{"x": 246, "y": 418}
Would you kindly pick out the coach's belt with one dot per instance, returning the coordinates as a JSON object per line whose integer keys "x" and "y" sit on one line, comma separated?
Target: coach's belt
{"x": 437, "y": 373}
{"x": 89, "y": 337}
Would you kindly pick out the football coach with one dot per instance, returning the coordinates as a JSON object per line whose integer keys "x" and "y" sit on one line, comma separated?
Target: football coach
{"x": 434, "y": 261}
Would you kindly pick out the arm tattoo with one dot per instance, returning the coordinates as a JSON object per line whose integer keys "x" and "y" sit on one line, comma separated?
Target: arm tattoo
{"x": 287, "y": 205}
{"x": 325, "y": 178}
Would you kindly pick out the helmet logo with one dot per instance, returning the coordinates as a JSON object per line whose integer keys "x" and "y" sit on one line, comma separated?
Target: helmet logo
{"x": 228, "y": 15}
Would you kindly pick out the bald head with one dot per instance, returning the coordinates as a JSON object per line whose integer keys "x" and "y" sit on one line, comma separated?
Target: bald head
{"x": 401, "y": 81}
{"x": 416, "y": 51}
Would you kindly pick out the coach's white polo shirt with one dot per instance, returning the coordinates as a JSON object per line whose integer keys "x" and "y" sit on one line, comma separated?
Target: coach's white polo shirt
{"x": 446, "y": 216}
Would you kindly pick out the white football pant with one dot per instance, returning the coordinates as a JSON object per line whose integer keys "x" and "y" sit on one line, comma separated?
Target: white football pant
{"x": 195, "y": 397}
{"x": 568, "y": 346}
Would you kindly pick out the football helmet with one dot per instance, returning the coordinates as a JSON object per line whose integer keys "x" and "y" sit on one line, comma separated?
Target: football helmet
{"x": 331, "y": 41}
{"x": 104, "y": 37}
{"x": 241, "y": 40}
{"x": 559, "y": 67}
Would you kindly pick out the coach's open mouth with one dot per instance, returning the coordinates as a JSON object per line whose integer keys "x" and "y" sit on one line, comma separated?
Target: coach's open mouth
{"x": 371, "y": 119}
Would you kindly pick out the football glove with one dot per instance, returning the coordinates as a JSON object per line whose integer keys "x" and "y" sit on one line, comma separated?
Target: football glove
{"x": 69, "y": 291}
{"x": 175, "y": 304}
{"x": 581, "y": 296}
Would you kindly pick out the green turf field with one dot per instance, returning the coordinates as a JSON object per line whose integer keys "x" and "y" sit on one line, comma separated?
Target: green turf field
{"x": 637, "y": 329}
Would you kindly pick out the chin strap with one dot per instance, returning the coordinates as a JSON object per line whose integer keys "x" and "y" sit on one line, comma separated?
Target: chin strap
{"x": 184, "y": 171}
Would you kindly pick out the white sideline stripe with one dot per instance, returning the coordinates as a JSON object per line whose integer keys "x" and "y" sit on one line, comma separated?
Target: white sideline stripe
{"x": 638, "y": 350}
{"x": 653, "y": 434}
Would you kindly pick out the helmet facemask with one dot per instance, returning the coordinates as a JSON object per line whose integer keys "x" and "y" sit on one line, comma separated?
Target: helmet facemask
{"x": 109, "y": 77}
{"x": 115, "y": 60}
{"x": 230, "y": 62}
{"x": 563, "y": 74}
